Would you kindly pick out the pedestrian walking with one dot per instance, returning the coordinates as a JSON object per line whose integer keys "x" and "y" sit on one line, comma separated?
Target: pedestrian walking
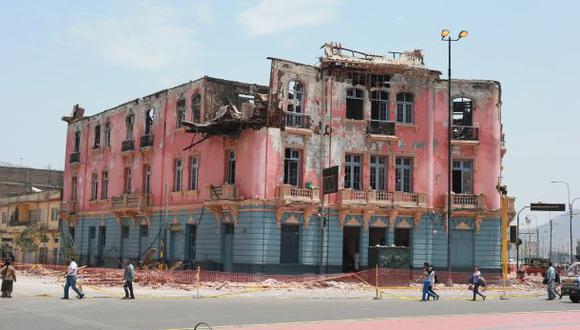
{"x": 8, "y": 273}
{"x": 128, "y": 277}
{"x": 432, "y": 280}
{"x": 476, "y": 281}
{"x": 551, "y": 281}
{"x": 71, "y": 280}
{"x": 427, "y": 282}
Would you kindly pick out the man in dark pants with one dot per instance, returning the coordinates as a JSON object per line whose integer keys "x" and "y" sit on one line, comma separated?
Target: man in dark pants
{"x": 128, "y": 277}
{"x": 71, "y": 279}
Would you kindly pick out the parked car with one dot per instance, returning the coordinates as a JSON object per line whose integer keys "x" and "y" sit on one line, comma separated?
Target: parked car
{"x": 570, "y": 280}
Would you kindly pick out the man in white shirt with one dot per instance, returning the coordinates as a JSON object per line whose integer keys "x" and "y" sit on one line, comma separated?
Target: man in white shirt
{"x": 71, "y": 279}
{"x": 551, "y": 277}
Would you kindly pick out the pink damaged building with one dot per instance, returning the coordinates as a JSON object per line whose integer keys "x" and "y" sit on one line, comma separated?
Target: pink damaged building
{"x": 228, "y": 175}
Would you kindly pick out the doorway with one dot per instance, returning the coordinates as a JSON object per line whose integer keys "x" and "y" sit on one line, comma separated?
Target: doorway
{"x": 190, "y": 245}
{"x": 350, "y": 249}
{"x": 228, "y": 246}
{"x": 461, "y": 253}
{"x": 101, "y": 245}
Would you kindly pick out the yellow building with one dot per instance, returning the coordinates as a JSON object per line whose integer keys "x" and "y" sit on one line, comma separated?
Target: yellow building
{"x": 29, "y": 226}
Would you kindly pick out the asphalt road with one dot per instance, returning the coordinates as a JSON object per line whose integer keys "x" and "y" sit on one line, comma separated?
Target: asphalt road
{"x": 165, "y": 313}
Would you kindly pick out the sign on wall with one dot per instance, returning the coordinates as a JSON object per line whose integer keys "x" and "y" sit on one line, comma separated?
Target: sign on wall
{"x": 330, "y": 180}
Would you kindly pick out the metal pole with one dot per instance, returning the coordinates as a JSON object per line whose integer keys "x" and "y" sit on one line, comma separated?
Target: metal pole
{"x": 518, "y": 237}
{"x": 449, "y": 162}
{"x": 550, "y": 252}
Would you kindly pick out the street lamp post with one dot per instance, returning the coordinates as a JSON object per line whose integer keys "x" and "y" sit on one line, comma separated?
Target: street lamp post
{"x": 518, "y": 237}
{"x": 569, "y": 211}
{"x": 447, "y": 38}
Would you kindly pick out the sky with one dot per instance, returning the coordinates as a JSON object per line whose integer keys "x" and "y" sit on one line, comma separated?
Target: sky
{"x": 100, "y": 54}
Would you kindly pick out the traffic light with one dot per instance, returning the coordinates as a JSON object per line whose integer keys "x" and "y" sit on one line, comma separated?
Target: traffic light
{"x": 513, "y": 234}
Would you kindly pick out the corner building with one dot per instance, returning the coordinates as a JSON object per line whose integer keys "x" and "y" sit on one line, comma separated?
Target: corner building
{"x": 227, "y": 175}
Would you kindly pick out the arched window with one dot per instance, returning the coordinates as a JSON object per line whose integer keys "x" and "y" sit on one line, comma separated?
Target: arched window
{"x": 405, "y": 108}
{"x": 379, "y": 105}
{"x": 295, "y": 97}
{"x": 107, "y": 134}
{"x": 462, "y": 111}
{"x": 180, "y": 112}
{"x": 129, "y": 124}
{"x": 355, "y": 104}
{"x": 77, "y": 142}
{"x": 196, "y": 107}
{"x": 149, "y": 120}
{"x": 97, "y": 142}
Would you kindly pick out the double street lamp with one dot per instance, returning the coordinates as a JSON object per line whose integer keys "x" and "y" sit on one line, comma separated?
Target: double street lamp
{"x": 570, "y": 207}
{"x": 445, "y": 36}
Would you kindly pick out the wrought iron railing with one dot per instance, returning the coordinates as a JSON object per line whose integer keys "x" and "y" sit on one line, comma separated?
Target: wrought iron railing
{"x": 467, "y": 133}
{"x": 298, "y": 120}
{"x": 381, "y": 127}
{"x": 146, "y": 140}
{"x": 128, "y": 145}
{"x": 75, "y": 157}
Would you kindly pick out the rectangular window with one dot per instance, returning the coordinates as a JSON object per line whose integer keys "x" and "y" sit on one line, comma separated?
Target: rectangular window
{"x": 292, "y": 167}
{"x": 74, "y": 187}
{"x": 231, "y": 167}
{"x": 290, "y": 244}
{"x": 354, "y": 104}
{"x": 352, "y": 178}
{"x": 404, "y": 174}
{"x": 147, "y": 179}
{"x": 402, "y": 237}
{"x": 105, "y": 185}
{"x": 178, "y": 175}
{"x": 462, "y": 177}
{"x": 33, "y": 216}
{"x": 130, "y": 125}
{"x": 379, "y": 106}
{"x": 405, "y": 108}
{"x": 4, "y": 217}
{"x": 378, "y": 173}
{"x": 193, "y": 172}
{"x": 41, "y": 215}
{"x": 77, "y": 141}
{"x": 124, "y": 231}
{"x": 54, "y": 214}
{"x": 128, "y": 179}
{"x": 94, "y": 186}
{"x": 97, "y": 141}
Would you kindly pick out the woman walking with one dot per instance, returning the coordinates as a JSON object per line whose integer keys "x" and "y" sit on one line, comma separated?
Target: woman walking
{"x": 8, "y": 278}
{"x": 476, "y": 281}
{"x": 428, "y": 280}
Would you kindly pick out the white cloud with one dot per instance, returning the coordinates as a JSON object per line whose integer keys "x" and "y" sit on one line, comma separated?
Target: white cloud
{"x": 271, "y": 16}
{"x": 149, "y": 36}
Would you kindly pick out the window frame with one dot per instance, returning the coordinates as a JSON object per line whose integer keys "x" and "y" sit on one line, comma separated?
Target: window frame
{"x": 297, "y": 94}
{"x": 180, "y": 112}
{"x": 379, "y": 102}
{"x": 295, "y": 159}
{"x": 375, "y": 172}
{"x": 97, "y": 137}
{"x": 352, "y": 98}
{"x": 107, "y": 133}
{"x": 196, "y": 107}
{"x": 459, "y": 165}
{"x": 402, "y": 184}
{"x": 94, "y": 186}
{"x": 128, "y": 177}
{"x": 405, "y": 108}
{"x": 231, "y": 166}
{"x": 147, "y": 178}
{"x": 130, "y": 127}
{"x": 105, "y": 184}
{"x": 193, "y": 181}
{"x": 177, "y": 175}
{"x": 350, "y": 171}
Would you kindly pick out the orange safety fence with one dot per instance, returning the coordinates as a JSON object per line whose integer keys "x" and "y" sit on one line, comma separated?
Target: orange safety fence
{"x": 382, "y": 277}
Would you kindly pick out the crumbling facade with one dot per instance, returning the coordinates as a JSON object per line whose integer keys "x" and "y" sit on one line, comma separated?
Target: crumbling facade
{"x": 228, "y": 175}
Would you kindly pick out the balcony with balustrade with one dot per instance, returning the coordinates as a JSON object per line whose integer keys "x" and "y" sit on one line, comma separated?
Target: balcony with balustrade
{"x": 146, "y": 142}
{"x": 409, "y": 199}
{"x": 74, "y": 158}
{"x": 224, "y": 192}
{"x": 127, "y": 146}
{"x": 380, "y": 198}
{"x": 464, "y": 135}
{"x": 381, "y": 130}
{"x": 351, "y": 197}
{"x": 466, "y": 201}
{"x": 298, "y": 123}
{"x": 130, "y": 205}
{"x": 288, "y": 194}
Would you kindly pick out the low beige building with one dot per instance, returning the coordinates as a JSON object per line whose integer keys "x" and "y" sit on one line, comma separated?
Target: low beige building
{"x": 29, "y": 226}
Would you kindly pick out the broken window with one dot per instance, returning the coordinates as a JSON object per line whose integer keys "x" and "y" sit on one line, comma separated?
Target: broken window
{"x": 129, "y": 124}
{"x": 147, "y": 178}
{"x": 354, "y": 103}
{"x": 196, "y": 107}
{"x": 94, "y": 186}
{"x": 404, "y": 174}
{"x": 128, "y": 177}
{"x": 292, "y": 167}
{"x": 352, "y": 178}
{"x": 107, "y": 134}
{"x": 193, "y": 172}
{"x": 77, "y": 142}
{"x": 405, "y": 108}
{"x": 379, "y": 105}
{"x": 295, "y": 96}
{"x": 149, "y": 121}
{"x": 178, "y": 175}
{"x": 356, "y": 78}
{"x": 104, "y": 185}
{"x": 380, "y": 80}
{"x": 231, "y": 167}
{"x": 180, "y": 112}
{"x": 463, "y": 177}
{"x": 377, "y": 236}
{"x": 378, "y": 173}
{"x": 462, "y": 112}
{"x": 97, "y": 142}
